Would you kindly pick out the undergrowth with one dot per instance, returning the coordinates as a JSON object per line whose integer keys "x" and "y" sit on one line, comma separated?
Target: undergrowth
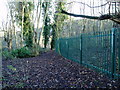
{"x": 23, "y": 52}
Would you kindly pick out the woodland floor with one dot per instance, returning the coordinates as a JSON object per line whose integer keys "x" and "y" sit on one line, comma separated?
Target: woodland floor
{"x": 50, "y": 70}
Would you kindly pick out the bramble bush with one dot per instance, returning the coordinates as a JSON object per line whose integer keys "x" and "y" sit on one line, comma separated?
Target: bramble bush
{"x": 7, "y": 55}
{"x": 23, "y": 52}
{"x": 17, "y": 53}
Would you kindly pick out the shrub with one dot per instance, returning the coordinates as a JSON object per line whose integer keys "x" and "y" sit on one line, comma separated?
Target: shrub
{"x": 15, "y": 52}
{"x": 7, "y": 55}
{"x": 35, "y": 51}
{"x": 24, "y": 52}
{"x": 21, "y": 53}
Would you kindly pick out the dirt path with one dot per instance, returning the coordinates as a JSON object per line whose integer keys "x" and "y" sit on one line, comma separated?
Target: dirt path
{"x": 49, "y": 70}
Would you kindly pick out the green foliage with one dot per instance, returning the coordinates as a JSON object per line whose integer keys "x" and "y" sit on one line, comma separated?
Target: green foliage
{"x": 11, "y": 67}
{"x": 13, "y": 70}
{"x": 36, "y": 50}
{"x": 17, "y": 53}
{"x": 14, "y": 53}
{"x": 7, "y": 55}
{"x": 27, "y": 23}
{"x": 47, "y": 26}
{"x": 58, "y": 23}
{"x": 19, "y": 85}
{"x": 46, "y": 32}
{"x": 28, "y": 26}
{"x": 22, "y": 52}
{"x": 53, "y": 36}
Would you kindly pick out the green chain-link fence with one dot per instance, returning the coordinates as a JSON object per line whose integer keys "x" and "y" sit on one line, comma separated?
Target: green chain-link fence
{"x": 96, "y": 50}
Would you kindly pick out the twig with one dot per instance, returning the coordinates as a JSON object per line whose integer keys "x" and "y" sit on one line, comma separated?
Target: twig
{"x": 87, "y": 4}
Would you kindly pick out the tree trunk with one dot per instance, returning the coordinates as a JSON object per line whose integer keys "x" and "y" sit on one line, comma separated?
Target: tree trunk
{"x": 10, "y": 45}
{"x": 43, "y": 23}
{"x": 39, "y": 35}
{"x": 21, "y": 43}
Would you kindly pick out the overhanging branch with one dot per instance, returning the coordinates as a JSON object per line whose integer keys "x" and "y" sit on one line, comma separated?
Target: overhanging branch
{"x": 76, "y": 15}
{"x": 115, "y": 18}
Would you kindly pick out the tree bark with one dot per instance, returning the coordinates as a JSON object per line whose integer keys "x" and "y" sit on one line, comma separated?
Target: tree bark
{"x": 38, "y": 21}
{"x": 44, "y": 17}
{"x": 22, "y": 26}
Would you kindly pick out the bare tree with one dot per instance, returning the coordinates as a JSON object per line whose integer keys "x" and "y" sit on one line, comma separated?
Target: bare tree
{"x": 111, "y": 16}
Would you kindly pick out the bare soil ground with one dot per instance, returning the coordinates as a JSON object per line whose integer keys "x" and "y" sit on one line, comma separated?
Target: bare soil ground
{"x": 50, "y": 70}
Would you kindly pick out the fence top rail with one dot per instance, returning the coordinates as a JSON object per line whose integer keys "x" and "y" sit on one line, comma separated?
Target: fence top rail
{"x": 101, "y": 35}
{"x": 91, "y": 34}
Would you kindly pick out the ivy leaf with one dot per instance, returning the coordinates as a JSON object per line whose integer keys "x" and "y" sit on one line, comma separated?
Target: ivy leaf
{"x": 11, "y": 67}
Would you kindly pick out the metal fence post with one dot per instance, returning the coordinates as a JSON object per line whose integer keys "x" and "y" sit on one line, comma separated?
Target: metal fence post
{"x": 113, "y": 51}
{"x": 1, "y": 39}
{"x": 119, "y": 51}
{"x": 81, "y": 48}
{"x": 59, "y": 46}
{"x": 68, "y": 48}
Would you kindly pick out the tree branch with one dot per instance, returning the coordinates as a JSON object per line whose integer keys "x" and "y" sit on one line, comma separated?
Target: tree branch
{"x": 87, "y": 4}
{"x": 76, "y": 15}
{"x": 115, "y": 18}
